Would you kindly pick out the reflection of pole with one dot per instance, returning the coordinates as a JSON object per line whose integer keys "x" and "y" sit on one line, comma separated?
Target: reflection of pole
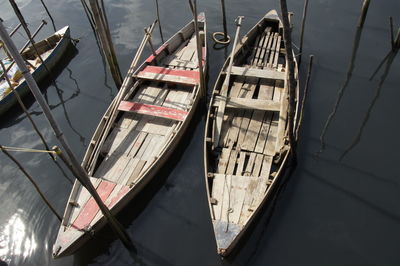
{"x": 305, "y": 95}
{"x": 48, "y": 13}
{"x": 159, "y": 21}
{"x": 106, "y": 42}
{"x": 303, "y": 22}
{"x": 16, "y": 94}
{"x": 32, "y": 181}
{"x": 193, "y": 6}
{"x": 81, "y": 174}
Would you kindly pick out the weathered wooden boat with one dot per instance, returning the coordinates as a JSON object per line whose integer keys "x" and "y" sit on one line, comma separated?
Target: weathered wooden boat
{"x": 246, "y": 128}
{"x": 51, "y": 50}
{"x": 149, "y": 121}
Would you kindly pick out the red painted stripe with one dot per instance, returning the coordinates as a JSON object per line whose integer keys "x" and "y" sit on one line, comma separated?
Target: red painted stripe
{"x": 158, "y": 51}
{"x": 119, "y": 196}
{"x": 91, "y": 208}
{"x": 153, "y": 110}
{"x": 174, "y": 72}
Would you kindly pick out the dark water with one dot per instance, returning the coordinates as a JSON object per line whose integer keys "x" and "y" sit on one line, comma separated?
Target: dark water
{"x": 339, "y": 207}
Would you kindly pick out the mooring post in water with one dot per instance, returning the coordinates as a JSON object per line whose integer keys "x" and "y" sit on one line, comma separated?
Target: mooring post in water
{"x": 364, "y": 11}
{"x": 150, "y": 42}
{"x": 193, "y": 7}
{"x": 303, "y": 22}
{"x": 305, "y": 96}
{"x": 225, "y": 37}
{"x": 397, "y": 40}
{"x": 287, "y": 37}
{"x": 106, "y": 42}
{"x": 81, "y": 173}
{"x": 159, "y": 21}
{"x": 30, "y": 178}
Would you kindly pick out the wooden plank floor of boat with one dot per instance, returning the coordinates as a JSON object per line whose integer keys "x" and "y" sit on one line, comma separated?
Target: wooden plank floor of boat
{"x": 137, "y": 140}
{"x": 248, "y": 140}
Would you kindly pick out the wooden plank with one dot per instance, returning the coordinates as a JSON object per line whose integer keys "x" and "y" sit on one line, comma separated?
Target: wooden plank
{"x": 244, "y": 126}
{"x": 191, "y": 74}
{"x": 278, "y": 48}
{"x": 153, "y": 110}
{"x": 250, "y": 164}
{"x": 226, "y": 199}
{"x": 135, "y": 146}
{"x": 262, "y": 138}
{"x": 158, "y": 51}
{"x": 136, "y": 173}
{"x": 253, "y": 131}
{"x": 272, "y": 136}
{"x": 91, "y": 208}
{"x": 168, "y": 78}
{"x": 258, "y": 73}
{"x": 250, "y": 104}
{"x": 248, "y": 199}
{"x": 223, "y": 160}
{"x": 266, "y": 166}
{"x": 234, "y": 129}
{"x": 217, "y": 192}
{"x": 238, "y": 192}
{"x": 226, "y": 125}
{"x": 267, "y": 50}
{"x": 241, "y": 161}
{"x": 144, "y": 146}
{"x": 257, "y": 165}
{"x": 128, "y": 170}
{"x": 232, "y": 162}
{"x": 271, "y": 57}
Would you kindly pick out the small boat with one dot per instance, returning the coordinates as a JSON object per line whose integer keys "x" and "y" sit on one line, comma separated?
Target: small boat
{"x": 51, "y": 50}
{"x": 150, "y": 120}
{"x": 246, "y": 132}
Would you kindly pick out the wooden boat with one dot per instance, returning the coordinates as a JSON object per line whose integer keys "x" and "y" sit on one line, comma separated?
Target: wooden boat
{"x": 51, "y": 50}
{"x": 160, "y": 101}
{"x": 246, "y": 128}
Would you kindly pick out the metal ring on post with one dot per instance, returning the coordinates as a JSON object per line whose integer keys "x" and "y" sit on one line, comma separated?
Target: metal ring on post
{"x": 221, "y": 41}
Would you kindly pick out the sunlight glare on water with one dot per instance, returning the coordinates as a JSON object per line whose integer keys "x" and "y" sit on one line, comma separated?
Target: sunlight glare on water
{"x": 15, "y": 240}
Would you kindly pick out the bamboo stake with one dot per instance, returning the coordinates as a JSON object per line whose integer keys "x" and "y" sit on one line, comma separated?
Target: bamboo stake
{"x": 397, "y": 41}
{"x": 391, "y": 32}
{"x": 224, "y": 20}
{"x": 15, "y": 29}
{"x": 364, "y": 11}
{"x": 106, "y": 42}
{"x": 48, "y": 13}
{"x": 30, "y": 178}
{"x": 81, "y": 174}
{"x": 159, "y": 22}
{"x": 150, "y": 42}
{"x": 305, "y": 96}
{"x": 287, "y": 32}
{"x": 203, "y": 90}
{"x": 303, "y": 22}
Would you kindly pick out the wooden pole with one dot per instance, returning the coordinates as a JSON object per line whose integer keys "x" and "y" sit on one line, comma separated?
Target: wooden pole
{"x": 305, "y": 96}
{"x": 159, "y": 21}
{"x": 153, "y": 51}
{"x": 48, "y": 13}
{"x": 303, "y": 22}
{"x": 364, "y": 11}
{"x": 105, "y": 39}
{"x": 291, "y": 83}
{"x": 30, "y": 178}
{"x": 391, "y": 32}
{"x": 224, "y": 20}
{"x": 81, "y": 173}
{"x": 397, "y": 41}
{"x": 15, "y": 29}
{"x": 203, "y": 89}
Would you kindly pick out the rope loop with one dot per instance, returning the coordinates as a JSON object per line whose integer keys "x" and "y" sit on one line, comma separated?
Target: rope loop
{"x": 221, "y": 41}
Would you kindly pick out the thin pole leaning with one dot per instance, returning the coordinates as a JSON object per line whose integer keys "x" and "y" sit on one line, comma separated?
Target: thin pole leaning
{"x": 303, "y": 22}
{"x": 364, "y": 11}
{"x": 81, "y": 173}
{"x": 203, "y": 90}
{"x": 287, "y": 36}
{"x": 159, "y": 21}
{"x": 30, "y": 178}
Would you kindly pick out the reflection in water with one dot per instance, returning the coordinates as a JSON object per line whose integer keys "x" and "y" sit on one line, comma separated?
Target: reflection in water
{"x": 15, "y": 241}
{"x": 389, "y": 60}
{"x": 340, "y": 93}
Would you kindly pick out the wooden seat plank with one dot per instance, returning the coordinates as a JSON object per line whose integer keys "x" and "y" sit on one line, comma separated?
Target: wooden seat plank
{"x": 258, "y": 73}
{"x": 179, "y": 76}
{"x": 153, "y": 110}
{"x": 251, "y": 104}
